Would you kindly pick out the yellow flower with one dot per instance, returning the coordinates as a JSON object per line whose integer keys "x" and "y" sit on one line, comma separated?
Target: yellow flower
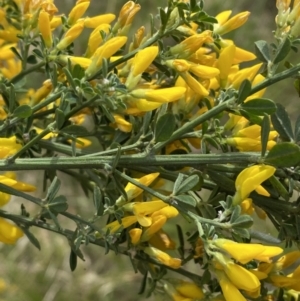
{"x": 45, "y": 28}
{"x": 42, "y": 92}
{"x": 82, "y": 61}
{"x": 245, "y": 144}
{"x": 9, "y": 146}
{"x": 95, "y": 38}
{"x": 160, "y": 95}
{"x": 77, "y": 11}
{"x": 9, "y": 233}
{"x": 122, "y": 124}
{"x": 71, "y": 35}
{"x": 191, "y": 44}
{"x": 189, "y": 290}
{"x": 6, "y": 53}
{"x": 141, "y": 61}
{"x": 161, "y": 240}
{"x": 247, "y": 207}
{"x": 126, "y": 15}
{"x": 244, "y": 253}
{"x": 287, "y": 260}
{"x": 229, "y": 290}
{"x": 142, "y": 209}
{"x": 224, "y": 25}
{"x": 156, "y": 224}
{"x": 250, "y": 179}
{"x": 94, "y": 22}
{"x": 125, "y": 223}
{"x": 104, "y": 52}
{"x": 134, "y": 191}
{"x": 135, "y": 235}
{"x": 225, "y": 62}
{"x": 163, "y": 257}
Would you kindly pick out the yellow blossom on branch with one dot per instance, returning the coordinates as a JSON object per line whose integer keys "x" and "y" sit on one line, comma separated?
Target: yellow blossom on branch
{"x": 250, "y": 179}
{"x": 163, "y": 257}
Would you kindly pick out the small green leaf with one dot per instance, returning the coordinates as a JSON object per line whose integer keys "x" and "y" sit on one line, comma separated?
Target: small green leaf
{"x": 165, "y": 127}
{"x": 186, "y": 199}
{"x": 178, "y": 182}
{"x": 282, "y": 51}
{"x": 59, "y": 118}
{"x": 262, "y": 51}
{"x": 53, "y": 188}
{"x": 282, "y": 123}
{"x": 188, "y": 184}
{"x": 75, "y": 130}
{"x": 32, "y": 238}
{"x": 244, "y": 91}
{"x": 285, "y": 154}
{"x": 297, "y": 130}
{"x": 243, "y": 221}
{"x": 279, "y": 187}
{"x": 98, "y": 201}
{"x": 259, "y": 106}
{"x": 23, "y": 111}
{"x": 73, "y": 260}
{"x": 265, "y": 131}
{"x": 241, "y": 232}
{"x": 251, "y": 117}
{"x": 31, "y": 59}
{"x": 58, "y": 204}
{"x": 236, "y": 213}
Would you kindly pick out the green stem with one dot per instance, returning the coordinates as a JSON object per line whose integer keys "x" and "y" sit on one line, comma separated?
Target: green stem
{"x": 128, "y": 161}
{"x": 276, "y": 78}
{"x": 189, "y": 126}
{"x": 25, "y": 72}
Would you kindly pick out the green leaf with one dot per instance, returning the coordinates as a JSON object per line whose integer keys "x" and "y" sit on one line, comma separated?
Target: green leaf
{"x": 53, "y": 188}
{"x": 59, "y": 118}
{"x": 282, "y": 123}
{"x": 265, "y": 131}
{"x": 75, "y": 130}
{"x": 188, "y": 184}
{"x": 243, "y": 221}
{"x": 98, "y": 201}
{"x": 279, "y": 187}
{"x": 32, "y": 238}
{"x": 285, "y": 154}
{"x": 259, "y": 106}
{"x": 282, "y": 51}
{"x": 186, "y": 199}
{"x": 236, "y": 213}
{"x": 178, "y": 182}
{"x": 58, "y": 204}
{"x": 73, "y": 260}
{"x": 23, "y": 111}
{"x": 165, "y": 127}
{"x": 251, "y": 117}
{"x": 262, "y": 51}
{"x": 241, "y": 232}
{"x": 244, "y": 91}
{"x": 297, "y": 130}
{"x": 31, "y": 59}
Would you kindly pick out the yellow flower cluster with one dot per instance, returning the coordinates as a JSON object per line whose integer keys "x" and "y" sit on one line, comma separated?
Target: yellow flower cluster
{"x": 148, "y": 217}
{"x": 123, "y": 81}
